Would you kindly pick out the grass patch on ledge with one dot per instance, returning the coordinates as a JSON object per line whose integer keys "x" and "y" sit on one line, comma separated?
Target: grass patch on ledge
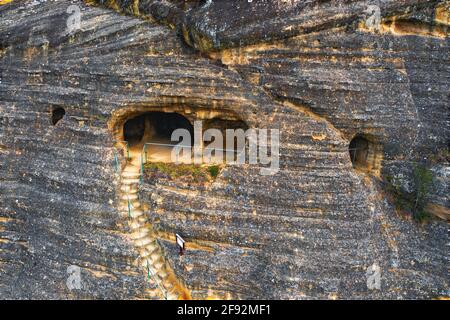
{"x": 184, "y": 172}
{"x": 414, "y": 203}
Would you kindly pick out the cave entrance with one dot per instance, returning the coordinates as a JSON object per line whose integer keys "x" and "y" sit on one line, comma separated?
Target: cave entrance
{"x": 154, "y": 129}
{"x": 359, "y": 150}
{"x": 229, "y": 151}
{"x": 366, "y": 154}
{"x": 148, "y": 136}
{"x": 57, "y": 115}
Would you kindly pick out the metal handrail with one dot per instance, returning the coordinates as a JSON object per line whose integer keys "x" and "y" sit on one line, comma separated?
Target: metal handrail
{"x": 130, "y": 206}
{"x": 150, "y": 272}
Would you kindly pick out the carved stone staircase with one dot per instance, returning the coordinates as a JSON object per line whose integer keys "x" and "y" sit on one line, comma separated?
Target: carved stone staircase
{"x": 151, "y": 257}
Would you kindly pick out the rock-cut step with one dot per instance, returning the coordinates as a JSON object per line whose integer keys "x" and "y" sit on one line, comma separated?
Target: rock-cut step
{"x": 126, "y": 203}
{"x": 150, "y": 254}
{"x": 142, "y": 242}
{"x": 136, "y": 213}
{"x": 135, "y": 224}
{"x": 130, "y": 174}
{"x": 130, "y": 197}
{"x": 128, "y": 181}
{"x": 140, "y": 234}
{"x": 129, "y": 188}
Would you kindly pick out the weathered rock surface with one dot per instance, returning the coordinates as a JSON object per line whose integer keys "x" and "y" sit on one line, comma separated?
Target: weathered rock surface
{"x": 306, "y": 67}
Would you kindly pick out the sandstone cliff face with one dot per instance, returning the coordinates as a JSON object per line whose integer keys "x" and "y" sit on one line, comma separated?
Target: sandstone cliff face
{"x": 312, "y": 69}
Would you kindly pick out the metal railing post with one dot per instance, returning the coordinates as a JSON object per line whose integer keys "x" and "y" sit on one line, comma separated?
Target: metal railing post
{"x": 129, "y": 207}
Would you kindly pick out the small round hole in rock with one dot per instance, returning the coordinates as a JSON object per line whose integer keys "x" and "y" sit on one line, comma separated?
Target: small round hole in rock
{"x": 57, "y": 114}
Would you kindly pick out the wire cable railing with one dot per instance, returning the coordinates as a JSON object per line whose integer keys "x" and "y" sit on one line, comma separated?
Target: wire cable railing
{"x": 150, "y": 274}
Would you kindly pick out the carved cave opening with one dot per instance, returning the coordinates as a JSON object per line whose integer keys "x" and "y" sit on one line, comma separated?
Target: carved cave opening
{"x": 223, "y": 125}
{"x": 359, "y": 149}
{"x": 57, "y": 115}
{"x": 150, "y": 132}
{"x": 365, "y": 154}
{"x": 154, "y": 127}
